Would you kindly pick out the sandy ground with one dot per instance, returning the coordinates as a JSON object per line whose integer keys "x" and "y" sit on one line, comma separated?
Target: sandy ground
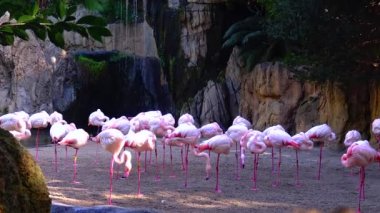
{"x": 337, "y": 187}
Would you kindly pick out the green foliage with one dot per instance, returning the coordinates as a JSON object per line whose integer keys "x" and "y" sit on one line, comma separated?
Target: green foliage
{"x": 96, "y": 68}
{"x": 50, "y": 22}
{"x": 336, "y": 40}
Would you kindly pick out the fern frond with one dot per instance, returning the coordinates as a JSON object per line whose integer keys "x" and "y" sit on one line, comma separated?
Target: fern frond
{"x": 235, "y": 39}
{"x": 257, "y": 35}
{"x": 248, "y": 24}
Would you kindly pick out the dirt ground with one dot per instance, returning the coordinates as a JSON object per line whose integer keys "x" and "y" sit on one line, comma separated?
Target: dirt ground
{"x": 337, "y": 187}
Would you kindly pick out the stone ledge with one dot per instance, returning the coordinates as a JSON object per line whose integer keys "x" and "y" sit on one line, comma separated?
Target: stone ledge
{"x": 63, "y": 208}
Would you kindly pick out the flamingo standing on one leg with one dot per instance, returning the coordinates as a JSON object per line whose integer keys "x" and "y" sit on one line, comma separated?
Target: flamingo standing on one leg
{"x": 265, "y": 132}
{"x": 304, "y": 144}
{"x": 236, "y": 132}
{"x": 360, "y": 154}
{"x": 75, "y": 139}
{"x": 321, "y": 133}
{"x": 57, "y": 132}
{"x": 279, "y": 139}
{"x": 220, "y": 144}
{"x": 161, "y": 127}
{"x": 39, "y": 120}
{"x": 253, "y": 141}
{"x": 141, "y": 141}
{"x": 97, "y": 119}
{"x": 113, "y": 141}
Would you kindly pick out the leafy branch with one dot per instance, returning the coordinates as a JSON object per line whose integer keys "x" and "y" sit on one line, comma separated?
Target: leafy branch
{"x": 49, "y": 22}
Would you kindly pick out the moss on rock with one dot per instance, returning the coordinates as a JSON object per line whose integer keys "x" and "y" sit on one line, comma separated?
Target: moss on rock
{"x": 22, "y": 184}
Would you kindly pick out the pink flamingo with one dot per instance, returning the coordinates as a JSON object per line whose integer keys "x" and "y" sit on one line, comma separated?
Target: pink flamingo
{"x": 376, "y": 130}
{"x": 351, "y": 137}
{"x": 304, "y": 144}
{"x": 265, "y": 132}
{"x": 189, "y": 135}
{"x": 122, "y": 123}
{"x": 220, "y": 144}
{"x": 210, "y": 130}
{"x": 25, "y": 116}
{"x": 360, "y": 154}
{"x": 12, "y": 122}
{"x": 253, "y": 140}
{"x": 161, "y": 127}
{"x": 278, "y": 138}
{"x": 236, "y": 132}
{"x": 39, "y": 120}
{"x": 185, "y": 118}
{"x": 75, "y": 139}
{"x": 16, "y": 125}
{"x": 172, "y": 143}
{"x": 169, "y": 119}
{"x": 97, "y": 119}
{"x": 57, "y": 132}
{"x": 240, "y": 120}
{"x": 321, "y": 133}
{"x": 112, "y": 140}
{"x": 141, "y": 141}
{"x": 55, "y": 117}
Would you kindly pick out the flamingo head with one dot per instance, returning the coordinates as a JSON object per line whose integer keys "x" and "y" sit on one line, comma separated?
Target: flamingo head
{"x": 292, "y": 144}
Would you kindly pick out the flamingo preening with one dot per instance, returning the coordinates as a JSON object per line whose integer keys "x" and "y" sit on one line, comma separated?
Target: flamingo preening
{"x": 321, "y": 133}
{"x": 112, "y": 140}
{"x": 360, "y": 154}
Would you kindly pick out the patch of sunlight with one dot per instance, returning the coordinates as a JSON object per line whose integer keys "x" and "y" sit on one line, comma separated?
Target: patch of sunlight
{"x": 128, "y": 196}
{"x": 56, "y": 188}
{"x": 70, "y": 200}
{"x": 204, "y": 202}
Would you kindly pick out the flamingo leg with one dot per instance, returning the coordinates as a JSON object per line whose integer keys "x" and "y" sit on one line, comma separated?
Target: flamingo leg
{"x": 111, "y": 177}
{"x": 277, "y": 182}
{"x": 146, "y": 155}
{"x": 217, "y": 189}
{"x": 37, "y": 140}
{"x": 155, "y": 151}
{"x": 183, "y": 163}
{"x": 97, "y": 147}
{"x": 55, "y": 157}
{"x": 171, "y": 163}
{"x": 297, "y": 172}
{"x": 75, "y": 167}
{"x": 163, "y": 160}
{"x": 272, "y": 161}
{"x": 320, "y": 161}
{"x": 361, "y": 186}
{"x": 139, "y": 175}
{"x": 186, "y": 163}
{"x": 237, "y": 161}
{"x": 254, "y": 187}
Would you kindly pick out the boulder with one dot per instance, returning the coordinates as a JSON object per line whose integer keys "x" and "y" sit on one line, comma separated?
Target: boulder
{"x": 22, "y": 184}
